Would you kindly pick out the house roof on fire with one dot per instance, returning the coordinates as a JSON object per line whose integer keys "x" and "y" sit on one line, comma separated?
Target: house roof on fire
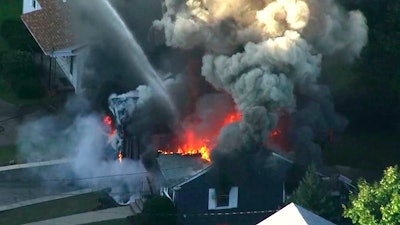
{"x": 50, "y": 26}
{"x": 177, "y": 169}
{"x": 293, "y": 214}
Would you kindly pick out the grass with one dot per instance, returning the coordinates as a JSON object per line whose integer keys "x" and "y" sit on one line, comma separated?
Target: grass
{"x": 371, "y": 151}
{"x": 9, "y": 9}
{"x": 7, "y": 154}
{"x": 53, "y": 209}
{"x": 6, "y": 93}
{"x": 111, "y": 222}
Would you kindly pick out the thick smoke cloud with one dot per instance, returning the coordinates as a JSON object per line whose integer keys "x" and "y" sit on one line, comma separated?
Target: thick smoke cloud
{"x": 332, "y": 31}
{"x": 81, "y": 136}
{"x": 108, "y": 67}
{"x": 267, "y": 55}
{"x": 264, "y": 56}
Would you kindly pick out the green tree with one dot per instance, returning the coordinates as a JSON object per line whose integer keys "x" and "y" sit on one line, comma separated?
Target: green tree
{"x": 377, "y": 203}
{"x": 17, "y": 35}
{"x": 18, "y": 69}
{"x": 313, "y": 195}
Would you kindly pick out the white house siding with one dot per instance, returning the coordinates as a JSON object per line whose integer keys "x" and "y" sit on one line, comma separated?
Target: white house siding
{"x": 30, "y": 6}
{"x": 74, "y": 75}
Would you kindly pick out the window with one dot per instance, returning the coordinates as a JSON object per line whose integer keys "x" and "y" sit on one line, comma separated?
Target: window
{"x": 222, "y": 198}
{"x": 71, "y": 65}
{"x": 34, "y": 3}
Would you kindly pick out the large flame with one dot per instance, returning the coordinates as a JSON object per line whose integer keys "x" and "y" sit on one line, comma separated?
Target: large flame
{"x": 193, "y": 144}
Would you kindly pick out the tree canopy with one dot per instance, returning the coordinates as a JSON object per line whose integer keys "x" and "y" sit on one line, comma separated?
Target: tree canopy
{"x": 313, "y": 195}
{"x": 377, "y": 203}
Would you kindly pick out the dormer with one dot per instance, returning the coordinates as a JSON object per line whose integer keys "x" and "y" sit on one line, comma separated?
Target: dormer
{"x": 30, "y": 6}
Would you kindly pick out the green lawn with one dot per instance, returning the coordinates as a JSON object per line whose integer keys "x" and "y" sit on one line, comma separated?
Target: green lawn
{"x": 53, "y": 209}
{"x": 9, "y": 95}
{"x": 7, "y": 153}
{"x": 111, "y": 222}
{"x": 9, "y": 9}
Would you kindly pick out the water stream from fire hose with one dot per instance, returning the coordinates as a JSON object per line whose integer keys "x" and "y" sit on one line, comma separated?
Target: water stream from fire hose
{"x": 140, "y": 59}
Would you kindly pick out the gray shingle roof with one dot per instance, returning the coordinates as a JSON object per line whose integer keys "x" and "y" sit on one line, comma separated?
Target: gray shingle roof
{"x": 177, "y": 169}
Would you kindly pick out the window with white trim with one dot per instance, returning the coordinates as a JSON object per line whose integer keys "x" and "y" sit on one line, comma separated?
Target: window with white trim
{"x": 34, "y": 3}
{"x": 223, "y": 199}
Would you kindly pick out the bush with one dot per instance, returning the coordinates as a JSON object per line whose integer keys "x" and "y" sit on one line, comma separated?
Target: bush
{"x": 17, "y": 65}
{"x": 18, "y": 69}
{"x": 18, "y": 36}
{"x": 31, "y": 89}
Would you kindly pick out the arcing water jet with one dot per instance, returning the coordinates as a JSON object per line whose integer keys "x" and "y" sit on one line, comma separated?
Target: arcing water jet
{"x": 136, "y": 54}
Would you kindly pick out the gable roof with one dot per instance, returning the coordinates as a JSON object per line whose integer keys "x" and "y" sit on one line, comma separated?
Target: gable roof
{"x": 293, "y": 214}
{"x": 178, "y": 169}
{"x": 51, "y": 25}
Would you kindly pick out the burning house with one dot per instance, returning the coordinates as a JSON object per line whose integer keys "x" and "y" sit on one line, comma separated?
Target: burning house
{"x": 204, "y": 194}
{"x": 257, "y": 87}
{"x": 244, "y": 86}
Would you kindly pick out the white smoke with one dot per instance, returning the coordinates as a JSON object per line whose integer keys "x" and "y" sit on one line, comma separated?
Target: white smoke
{"x": 81, "y": 137}
{"x": 332, "y": 30}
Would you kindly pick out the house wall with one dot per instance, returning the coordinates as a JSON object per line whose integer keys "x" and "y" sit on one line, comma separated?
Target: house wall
{"x": 74, "y": 72}
{"x": 258, "y": 192}
{"x": 29, "y": 6}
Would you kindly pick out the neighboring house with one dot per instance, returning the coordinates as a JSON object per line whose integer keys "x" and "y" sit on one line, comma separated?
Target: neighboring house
{"x": 49, "y": 23}
{"x": 293, "y": 214}
{"x": 203, "y": 197}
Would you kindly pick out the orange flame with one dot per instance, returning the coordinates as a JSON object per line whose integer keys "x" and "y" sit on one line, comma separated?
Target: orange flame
{"x": 278, "y": 138}
{"x": 120, "y": 157}
{"x": 194, "y": 146}
{"x": 202, "y": 145}
{"x": 232, "y": 118}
